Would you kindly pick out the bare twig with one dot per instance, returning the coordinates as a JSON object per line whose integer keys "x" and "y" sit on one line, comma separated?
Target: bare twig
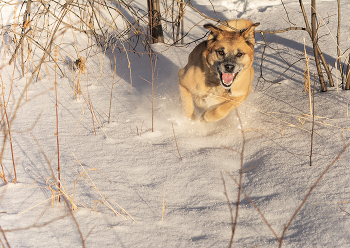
{"x": 256, "y": 207}
{"x": 240, "y": 174}
{"x": 26, "y": 23}
{"x": 347, "y": 84}
{"x": 241, "y": 153}
{"x": 279, "y": 31}
{"x": 9, "y": 131}
{"x": 312, "y": 31}
{"x": 229, "y": 206}
{"x": 343, "y": 209}
{"x": 18, "y": 46}
{"x": 35, "y": 225}
{"x": 338, "y": 48}
{"x": 176, "y": 141}
{"x": 163, "y": 208}
{"x": 287, "y": 13}
{"x": 309, "y": 193}
{"x": 3, "y": 234}
{"x": 314, "y": 42}
{"x": 196, "y": 10}
{"x": 58, "y": 146}
{"x": 313, "y": 118}
{"x": 307, "y": 77}
{"x": 325, "y": 64}
{"x": 75, "y": 221}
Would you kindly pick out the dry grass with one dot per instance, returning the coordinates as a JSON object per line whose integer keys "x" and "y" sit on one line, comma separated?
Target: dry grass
{"x": 36, "y": 48}
{"x": 46, "y": 29}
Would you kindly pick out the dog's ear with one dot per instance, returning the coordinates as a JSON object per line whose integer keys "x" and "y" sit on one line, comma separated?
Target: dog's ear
{"x": 249, "y": 33}
{"x": 214, "y": 31}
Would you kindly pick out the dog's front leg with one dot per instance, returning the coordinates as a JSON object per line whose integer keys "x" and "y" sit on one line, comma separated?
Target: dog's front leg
{"x": 222, "y": 110}
{"x": 187, "y": 102}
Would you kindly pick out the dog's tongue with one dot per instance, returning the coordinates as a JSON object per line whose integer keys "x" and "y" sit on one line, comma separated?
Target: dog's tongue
{"x": 227, "y": 78}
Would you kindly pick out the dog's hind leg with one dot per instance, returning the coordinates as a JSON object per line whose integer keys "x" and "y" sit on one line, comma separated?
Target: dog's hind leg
{"x": 187, "y": 102}
{"x": 222, "y": 110}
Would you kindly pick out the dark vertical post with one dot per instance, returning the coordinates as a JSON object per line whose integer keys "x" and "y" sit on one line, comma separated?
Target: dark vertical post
{"x": 155, "y": 25}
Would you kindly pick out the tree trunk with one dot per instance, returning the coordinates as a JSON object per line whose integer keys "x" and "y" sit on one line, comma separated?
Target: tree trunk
{"x": 155, "y": 25}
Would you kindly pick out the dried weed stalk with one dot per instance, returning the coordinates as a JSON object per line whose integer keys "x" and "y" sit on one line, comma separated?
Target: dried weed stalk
{"x": 57, "y": 139}
{"x": 240, "y": 189}
{"x": 312, "y": 29}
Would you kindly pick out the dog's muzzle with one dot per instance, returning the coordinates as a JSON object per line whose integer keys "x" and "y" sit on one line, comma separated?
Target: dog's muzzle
{"x": 227, "y": 77}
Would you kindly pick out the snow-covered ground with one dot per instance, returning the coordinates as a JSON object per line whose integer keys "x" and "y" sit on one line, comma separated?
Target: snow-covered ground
{"x": 165, "y": 201}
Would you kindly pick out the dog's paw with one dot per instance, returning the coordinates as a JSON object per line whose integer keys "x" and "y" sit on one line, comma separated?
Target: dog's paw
{"x": 193, "y": 117}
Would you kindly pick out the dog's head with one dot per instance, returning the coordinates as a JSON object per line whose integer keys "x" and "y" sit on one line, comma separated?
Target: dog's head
{"x": 229, "y": 51}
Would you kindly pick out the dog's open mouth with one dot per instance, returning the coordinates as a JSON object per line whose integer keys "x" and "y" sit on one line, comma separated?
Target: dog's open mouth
{"x": 227, "y": 79}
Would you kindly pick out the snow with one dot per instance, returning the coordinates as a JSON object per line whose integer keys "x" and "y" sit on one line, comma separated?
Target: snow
{"x": 126, "y": 168}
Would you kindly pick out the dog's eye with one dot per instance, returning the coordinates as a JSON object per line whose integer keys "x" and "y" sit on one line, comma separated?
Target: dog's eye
{"x": 221, "y": 53}
{"x": 239, "y": 55}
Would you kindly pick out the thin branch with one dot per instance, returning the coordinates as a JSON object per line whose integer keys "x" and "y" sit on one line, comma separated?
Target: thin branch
{"x": 338, "y": 48}
{"x": 196, "y": 10}
{"x": 176, "y": 141}
{"x": 343, "y": 209}
{"x": 229, "y": 206}
{"x": 256, "y": 207}
{"x": 314, "y": 42}
{"x": 309, "y": 193}
{"x": 287, "y": 13}
{"x": 241, "y": 153}
{"x": 313, "y": 117}
{"x": 280, "y": 31}
{"x": 19, "y": 45}
{"x": 3, "y": 234}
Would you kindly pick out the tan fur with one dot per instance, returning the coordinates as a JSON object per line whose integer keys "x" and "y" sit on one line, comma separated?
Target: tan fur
{"x": 199, "y": 80}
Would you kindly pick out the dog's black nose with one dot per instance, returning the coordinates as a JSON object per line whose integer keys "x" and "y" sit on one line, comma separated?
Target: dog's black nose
{"x": 229, "y": 68}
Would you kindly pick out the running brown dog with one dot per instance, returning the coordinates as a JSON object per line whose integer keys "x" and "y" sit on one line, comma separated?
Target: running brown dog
{"x": 219, "y": 71}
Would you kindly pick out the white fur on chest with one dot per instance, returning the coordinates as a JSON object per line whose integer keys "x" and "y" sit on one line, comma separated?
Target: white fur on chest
{"x": 215, "y": 96}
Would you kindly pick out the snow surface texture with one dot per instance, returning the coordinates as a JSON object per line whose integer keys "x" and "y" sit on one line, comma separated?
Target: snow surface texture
{"x": 145, "y": 170}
